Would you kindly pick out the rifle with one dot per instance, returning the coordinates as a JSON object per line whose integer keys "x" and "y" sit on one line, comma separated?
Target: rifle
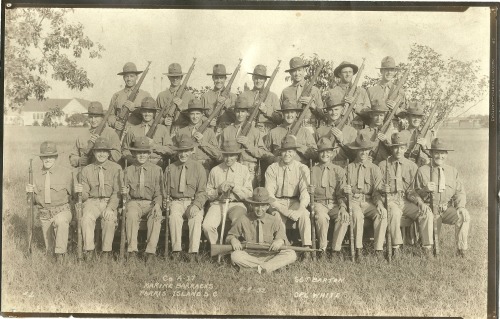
{"x": 98, "y": 131}
{"x": 224, "y": 249}
{"x": 351, "y": 230}
{"x": 385, "y": 128}
{"x": 31, "y": 212}
{"x": 307, "y": 91}
{"x": 313, "y": 223}
{"x": 386, "y": 204}
{"x": 125, "y": 112}
{"x": 436, "y": 217}
{"x": 219, "y": 105}
{"x": 354, "y": 86}
{"x": 166, "y": 205}
{"x": 224, "y": 216}
{"x": 170, "y": 109}
{"x": 124, "y": 215}
{"x": 79, "y": 219}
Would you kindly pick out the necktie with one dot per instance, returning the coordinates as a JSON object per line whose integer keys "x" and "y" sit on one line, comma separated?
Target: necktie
{"x": 399, "y": 177}
{"x": 238, "y": 131}
{"x": 182, "y": 180}
{"x": 284, "y": 189}
{"x": 260, "y": 234}
{"x": 441, "y": 180}
{"x": 299, "y": 91}
{"x": 146, "y": 128}
{"x": 324, "y": 180}
{"x": 47, "y": 188}
{"x": 361, "y": 177}
{"x": 101, "y": 182}
{"x": 141, "y": 182}
{"x": 386, "y": 92}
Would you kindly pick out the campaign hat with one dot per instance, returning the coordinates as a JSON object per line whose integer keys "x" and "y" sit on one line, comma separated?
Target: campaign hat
{"x": 195, "y": 105}
{"x": 345, "y": 64}
{"x": 174, "y": 69}
{"x": 185, "y": 142}
{"x": 362, "y": 142}
{"x": 148, "y": 103}
{"x": 242, "y": 103}
{"x": 438, "y": 144}
{"x": 102, "y": 143}
{"x": 295, "y": 63}
{"x": 95, "y": 108}
{"x": 129, "y": 67}
{"x": 288, "y": 105}
{"x": 260, "y": 196}
{"x": 219, "y": 69}
{"x": 260, "y": 70}
{"x": 289, "y": 142}
{"x": 414, "y": 108}
{"x": 400, "y": 138}
{"x": 388, "y": 63}
{"x": 141, "y": 144}
{"x": 334, "y": 100}
{"x": 48, "y": 148}
{"x": 231, "y": 147}
{"x": 324, "y": 144}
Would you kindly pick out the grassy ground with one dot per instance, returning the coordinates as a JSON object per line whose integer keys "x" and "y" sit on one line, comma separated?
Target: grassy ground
{"x": 411, "y": 286}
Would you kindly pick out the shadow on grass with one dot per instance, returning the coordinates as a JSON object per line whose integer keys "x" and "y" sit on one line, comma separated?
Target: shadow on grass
{"x": 17, "y": 228}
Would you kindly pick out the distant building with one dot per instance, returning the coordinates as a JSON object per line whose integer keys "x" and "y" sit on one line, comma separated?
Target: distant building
{"x": 34, "y": 110}
{"x": 462, "y": 122}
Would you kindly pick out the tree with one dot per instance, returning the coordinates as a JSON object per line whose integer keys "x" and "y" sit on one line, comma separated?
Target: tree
{"x": 51, "y": 116}
{"x": 40, "y": 42}
{"x": 76, "y": 119}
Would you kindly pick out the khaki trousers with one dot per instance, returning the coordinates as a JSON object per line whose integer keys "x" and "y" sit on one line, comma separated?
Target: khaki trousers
{"x": 213, "y": 218}
{"x": 55, "y": 232}
{"x": 403, "y": 213}
{"x": 135, "y": 210}
{"x": 178, "y": 212}
{"x": 304, "y": 222}
{"x": 451, "y": 217}
{"x": 323, "y": 213}
{"x": 93, "y": 209}
{"x": 360, "y": 210}
{"x": 270, "y": 262}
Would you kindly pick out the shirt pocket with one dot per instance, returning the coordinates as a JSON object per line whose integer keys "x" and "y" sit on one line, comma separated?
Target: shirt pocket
{"x": 59, "y": 187}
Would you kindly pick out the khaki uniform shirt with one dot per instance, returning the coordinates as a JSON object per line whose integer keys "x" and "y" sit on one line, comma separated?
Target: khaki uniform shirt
{"x": 381, "y": 91}
{"x": 290, "y": 93}
{"x": 238, "y": 174}
{"x": 336, "y": 181}
{"x": 413, "y": 140}
{"x": 305, "y": 141}
{"x": 298, "y": 180}
{"x": 165, "y": 98}
{"x": 209, "y": 101}
{"x": 90, "y": 182}
{"x": 208, "y": 148}
{"x": 383, "y": 148}
{"x": 454, "y": 190}
{"x": 255, "y": 148}
{"x": 339, "y": 91}
{"x": 81, "y": 145}
{"x": 408, "y": 172}
{"x": 372, "y": 179}
{"x": 152, "y": 182}
{"x": 196, "y": 182}
{"x": 61, "y": 181}
{"x": 339, "y": 153}
{"x": 121, "y": 97}
{"x": 272, "y": 106}
{"x": 245, "y": 229}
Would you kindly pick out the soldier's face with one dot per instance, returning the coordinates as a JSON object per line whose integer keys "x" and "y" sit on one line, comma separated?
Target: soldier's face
{"x": 287, "y": 156}
{"x": 346, "y": 74}
{"x": 399, "y": 151}
{"x": 101, "y": 156}
{"x": 335, "y": 112}
{"x": 363, "y": 155}
{"x": 175, "y": 81}
{"x": 184, "y": 155}
{"x": 415, "y": 120}
{"x": 259, "y": 209}
{"x": 147, "y": 115}
{"x": 95, "y": 120}
{"x": 48, "y": 161}
{"x": 290, "y": 116}
{"x": 219, "y": 81}
{"x": 142, "y": 157}
{"x": 377, "y": 118}
{"x": 439, "y": 157}
{"x": 259, "y": 81}
{"x": 325, "y": 156}
{"x": 130, "y": 79}
{"x": 298, "y": 74}
{"x": 195, "y": 117}
{"x": 241, "y": 115}
{"x": 230, "y": 159}
{"x": 388, "y": 74}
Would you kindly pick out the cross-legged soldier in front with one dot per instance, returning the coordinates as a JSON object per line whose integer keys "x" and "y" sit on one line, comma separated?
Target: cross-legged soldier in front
{"x": 364, "y": 182}
{"x": 144, "y": 186}
{"x": 405, "y": 206}
{"x": 448, "y": 193}
{"x": 187, "y": 180}
{"x": 52, "y": 188}
{"x": 327, "y": 181}
{"x": 99, "y": 188}
{"x": 260, "y": 227}
{"x": 287, "y": 181}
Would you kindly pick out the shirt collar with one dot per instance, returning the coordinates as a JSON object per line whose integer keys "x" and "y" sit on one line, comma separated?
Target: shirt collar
{"x": 226, "y": 168}
{"x": 138, "y": 167}
{"x": 104, "y": 165}
{"x": 253, "y": 219}
{"x": 301, "y": 83}
{"x": 344, "y": 85}
{"x": 325, "y": 165}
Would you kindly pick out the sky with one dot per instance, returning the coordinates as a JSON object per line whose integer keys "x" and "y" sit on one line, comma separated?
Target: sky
{"x": 164, "y": 36}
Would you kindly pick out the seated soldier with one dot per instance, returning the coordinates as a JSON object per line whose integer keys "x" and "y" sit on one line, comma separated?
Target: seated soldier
{"x": 448, "y": 193}
{"x": 363, "y": 184}
{"x": 414, "y": 115}
{"x": 187, "y": 182}
{"x": 287, "y": 181}
{"x": 260, "y": 227}
{"x": 99, "y": 188}
{"x": 52, "y": 188}
{"x": 327, "y": 181}
{"x": 403, "y": 203}
{"x": 143, "y": 184}
{"x": 228, "y": 180}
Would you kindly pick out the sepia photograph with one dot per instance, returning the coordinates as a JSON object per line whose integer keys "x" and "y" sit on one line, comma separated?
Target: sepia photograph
{"x": 307, "y": 159}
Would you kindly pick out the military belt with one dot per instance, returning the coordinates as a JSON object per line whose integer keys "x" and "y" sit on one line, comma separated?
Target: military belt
{"x": 50, "y": 212}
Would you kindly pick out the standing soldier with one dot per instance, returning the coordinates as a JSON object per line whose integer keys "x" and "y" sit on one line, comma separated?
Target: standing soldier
{"x": 306, "y": 146}
{"x": 414, "y": 114}
{"x": 253, "y": 144}
{"x": 448, "y": 193}
{"x": 327, "y": 181}
{"x": 293, "y": 92}
{"x": 187, "y": 180}
{"x": 404, "y": 205}
{"x": 335, "y": 108}
{"x": 364, "y": 182}
{"x": 287, "y": 181}
{"x": 161, "y": 142}
{"x": 144, "y": 186}
{"x": 175, "y": 76}
{"x": 99, "y": 188}
{"x": 345, "y": 72}
{"x": 79, "y": 155}
{"x": 207, "y": 151}
{"x": 120, "y": 98}
{"x": 52, "y": 188}
{"x": 228, "y": 180}
{"x": 269, "y": 116}
{"x": 209, "y": 99}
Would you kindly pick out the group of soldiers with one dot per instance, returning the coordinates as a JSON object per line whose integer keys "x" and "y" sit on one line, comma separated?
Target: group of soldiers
{"x": 261, "y": 182}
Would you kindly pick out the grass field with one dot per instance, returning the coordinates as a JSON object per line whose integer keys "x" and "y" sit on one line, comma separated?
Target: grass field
{"x": 411, "y": 286}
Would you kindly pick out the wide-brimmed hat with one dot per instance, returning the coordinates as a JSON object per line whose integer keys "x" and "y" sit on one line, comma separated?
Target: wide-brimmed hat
{"x": 289, "y": 142}
{"x": 48, "y": 148}
{"x": 231, "y": 147}
{"x": 414, "y": 108}
{"x": 334, "y": 100}
{"x": 324, "y": 144}
{"x": 388, "y": 63}
{"x": 219, "y": 69}
{"x": 174, "y": 69}
{"x": 129, "y": 67}
{"x": 141, "y": 144}
{"x": 439, "y": 145}
{"x": 362, "y": 142}
{"x": 296, "y": 63}
{"x": 195, "y": 105}
{"x": 95, "y": 108}
{"x": 260, "y": 70}
{"x": 400, "y": 138}
{"x": 288, "y": 105}
{"x": 185, "y": 142}
{"x": 242, "y": 103}
{"x": 102, "y": 143}
{"x": 260, "y": 196}
{"x": 378, "y": 106}
{"x": 148, "y": 103}
{"x": 345, "y": 64}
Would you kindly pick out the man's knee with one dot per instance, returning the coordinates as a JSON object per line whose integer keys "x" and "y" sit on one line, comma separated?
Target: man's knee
{"x": 133, "y": 212}
{"x": 289, "y": 253}
{"x": 238, "y": 255}
{"x": 236, "y": 213}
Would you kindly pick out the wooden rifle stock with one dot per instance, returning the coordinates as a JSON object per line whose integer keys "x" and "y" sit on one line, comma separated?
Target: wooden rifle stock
{"x": 349, "y": 211}
{"x": 313, "y": 223}
{"x": 384, "y": 128}
{"x": 79, "y": 212}
{"x": 98, "y": 130}
{"x": 166, "y": 205}
{"x": 31, "y": 212}
{"x": 224, "y": 249}
{"x": 354, "y": 85}
{"x": 123, "y": 237}
{"x": 386, "y": 203}
{"x": 435, "y": 213}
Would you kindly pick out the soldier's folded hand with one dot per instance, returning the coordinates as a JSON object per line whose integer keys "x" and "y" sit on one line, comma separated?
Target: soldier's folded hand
{"x": 168, "y": 121}
{"x": 83, "y": 161}
{"x": 93, "y": 137}
{"x": 107, "y": 214}
{"x": 423, "y": 209}
{"x": 213, "y": 122}
{"x": 30, "y": 188}
{"x": 198, "y": 136}
{"x": 276, "y": 245}
{"x": 386, "y": 188}
{"x": 177, "y": 101}
{"x": 263, "y": 107}
{"x": 236, "y": 244}
{"x": 349, "y": 99}
{"x": 305, "y": 99}
{"x": 347, "y": 189}
{"x": 391, "y": 104}
{"x": 421, "y": 141}
{"x": 382, "y": 137}
{"x": 193, "y": 211}
{"x": 382, "y": 212}
{"x": 124, "y": 190}
{"x": 156, "y": 211}
{"x": 119, "y": 125}
{"x": 465, "y": 214}
{"x": 78, "y": 188}
{"x": 294, "y": 215}
{"x": 129, "y": 105}
{"x": 311, "y": 189}
{"x": 430, "y": 187}
{"x": 243, "y": 140}
{"x": 338, "y": 134}
{"x": 343, "y": 216}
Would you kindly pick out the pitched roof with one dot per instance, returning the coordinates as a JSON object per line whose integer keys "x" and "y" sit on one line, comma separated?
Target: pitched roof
{"x": 34, "y": 105}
